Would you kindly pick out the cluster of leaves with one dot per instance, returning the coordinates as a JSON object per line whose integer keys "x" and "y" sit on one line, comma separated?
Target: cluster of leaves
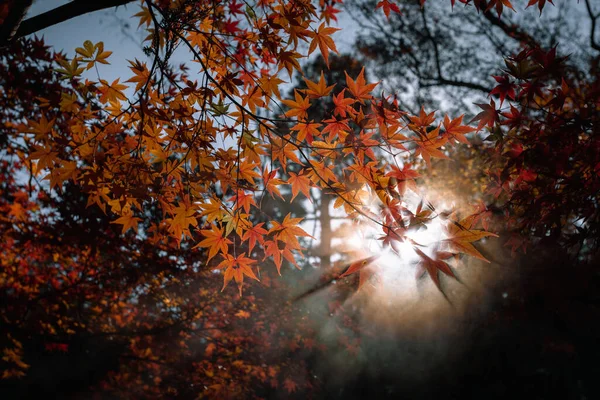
{"x": 200, "y": 149}
{"x": 442, "y": 57}
{"x": 546, "y": 164}
{"x": 124, "y": 314}
{"x": 156, "y": 179}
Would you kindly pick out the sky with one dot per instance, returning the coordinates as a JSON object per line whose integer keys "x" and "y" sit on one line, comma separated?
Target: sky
{"x": 105, "y": 25}
{"x": 118, "y": 30}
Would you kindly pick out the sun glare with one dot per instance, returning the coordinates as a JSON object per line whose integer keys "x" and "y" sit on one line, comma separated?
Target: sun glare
{"x": 396, "y": 267}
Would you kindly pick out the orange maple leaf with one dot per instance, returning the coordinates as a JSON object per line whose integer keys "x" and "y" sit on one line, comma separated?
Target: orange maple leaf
{"x": 457, "y": 131}
{"x": 359, "y": 87}
{"x": 215, "y": 241}
{"x": 212, "y": 210}
{"x": 461, "y": 236}
{"x": 316, "y": 90}
{"x": 289, "y": 61}
{"x": 300, "y": 183}
{"x": 287, "y": 231}
{"x": 306, "y": 130}
{"x": 298, "y": 107}
{"x": 423, "y": 120}
{"x": 272, "y": 250}
{"x": 243, "y": 200}
{"x": 322, "y": 38}
{"x": 430, "y": 146}
{"x": 236, "y": 268}
{"x": 342, "y": 105}
{"x": 128, "y": 221}
{"x": 271, "y": 182}
{"x": 253, "y": 235}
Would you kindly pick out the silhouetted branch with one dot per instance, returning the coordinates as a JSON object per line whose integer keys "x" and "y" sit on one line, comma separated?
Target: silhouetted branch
{"x": 13, "y": 20}
{"x": 593, "y": 19}
{"x": 64, "y": 13}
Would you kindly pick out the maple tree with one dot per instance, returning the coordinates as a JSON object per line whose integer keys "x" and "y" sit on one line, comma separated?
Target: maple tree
{"x": 159, "y": 147}
{"x": 442, "y": 55}
{"x": 122, "y": 196}
{"x": 447, "y": 64}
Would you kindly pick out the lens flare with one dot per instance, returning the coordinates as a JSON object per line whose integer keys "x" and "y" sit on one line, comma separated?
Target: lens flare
{"x": 396, "y": 267}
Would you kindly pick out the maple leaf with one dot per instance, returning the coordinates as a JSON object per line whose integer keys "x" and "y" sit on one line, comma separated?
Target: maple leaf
{"x": 540, "y": 3}
{"x": 516, "y": 242}
{"x": 290, "y": 385}
{"x": 321, "y": 37}
{"x": 321, "y": 173}
{"x": 141, "y": 74}
{"x": 328, "y": 13}
{"x": 403, "y": 178}
{"x": 455, "y": 130}
{"x": 128, "y": 221}
{"x": 213, "y": 210}
{"x": 430, "y": 146}
{"x": 287, "y": 231}
{"x": 243, "y": 200}
{"x": 342, "y": 104}
{"x": 316, "y": 90}
{"x": 255, "y": 234}
{"x": 306, "y": 130}
{"x": 270, "y": 86}
{"x": 499, "y": 4}
{"x": 483, "y": 214}
{"x": 488, "y": 116}
{"x": 236, "y": 221}
{"x": 254, "y": 99}
{"x": 20, "y": 214}
{"x": 358, "y": 265}
{"x": 300, "y": 183}
{"x": 236, "y": 268}
{"x": 271, "y": 182}
{"x": 461, "y": 236}
{"x": 215, "y": 241}
{"x": 247, "y": 172}
{"x": 272, "y": 250}
{"x": 433, "y": 266}
{"x": 298, "y": 107}
{"x": 112, "y": 92}
{"x": 504, "y": 88}
{"x": 335, "y": 128}
{"x": 184, "y": 216}
{"x": 70, "y": 69}
{"x": 423, "y": 120}
{"x": 514, "y": 118}
{"x": 289, "y": 61}
{"x": 387, "y": 7}
{"x": 283, "y": 152}
{"x": 359, "y": 87}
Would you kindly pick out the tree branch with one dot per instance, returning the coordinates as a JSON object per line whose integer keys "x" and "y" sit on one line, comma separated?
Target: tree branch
{"x": 593, "y": 18}
{"x": 511, "y": 31}
{"x": 448, "y": 82}
{"x": 63, "y": 13}
{"x": 11, "y": 23}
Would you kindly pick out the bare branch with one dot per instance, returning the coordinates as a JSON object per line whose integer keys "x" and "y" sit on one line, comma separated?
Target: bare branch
{"x": 593, "y": 19}
{"x": 64, "y": 13}
{"x": 13, "y": 19}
